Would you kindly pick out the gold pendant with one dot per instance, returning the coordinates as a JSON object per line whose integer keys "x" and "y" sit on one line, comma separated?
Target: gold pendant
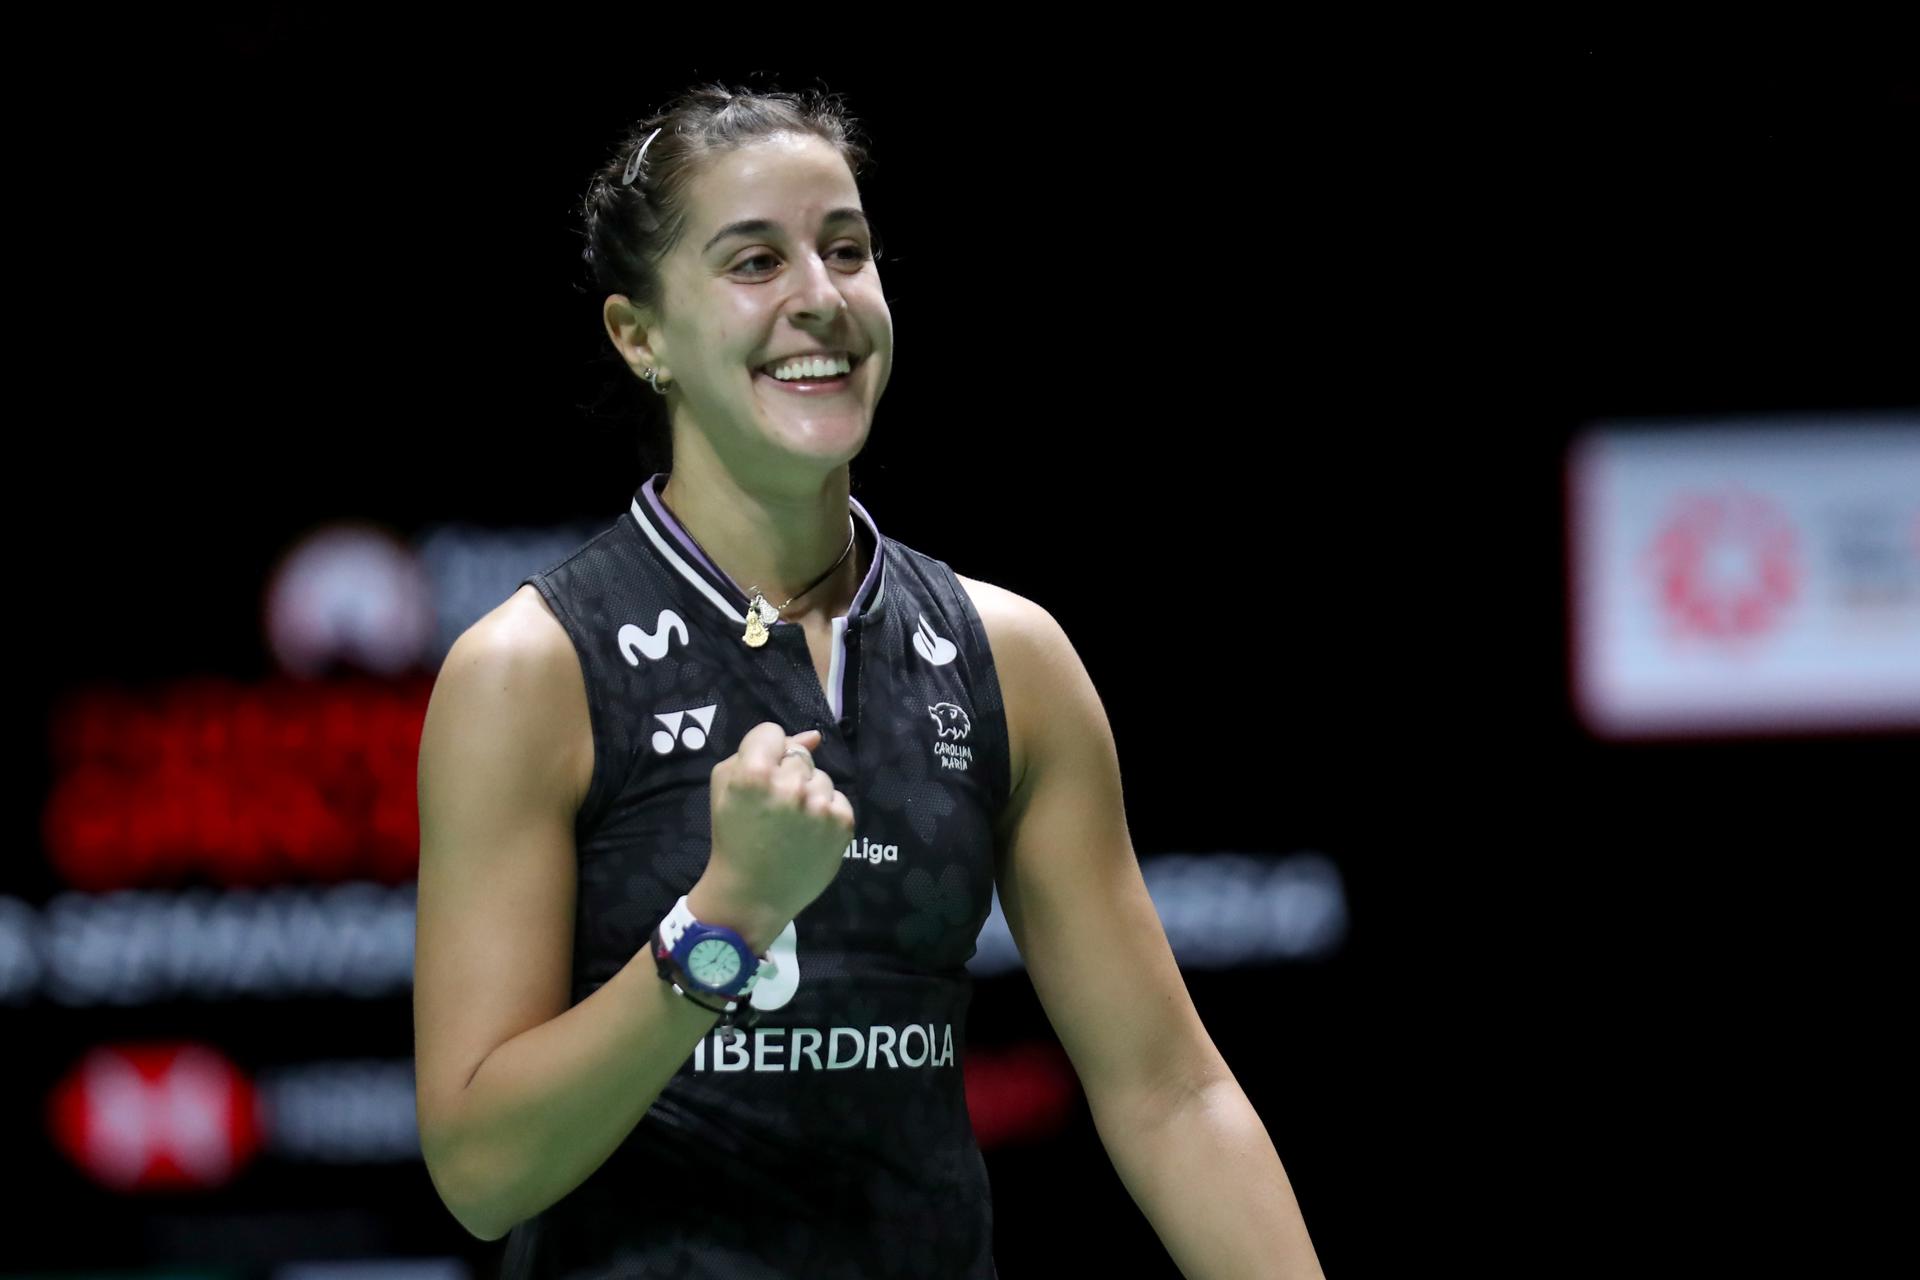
{"x": 756, "y": 630}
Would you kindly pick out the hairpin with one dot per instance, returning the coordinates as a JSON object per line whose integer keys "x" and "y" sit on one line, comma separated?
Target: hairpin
{"x": 633, "y": 165}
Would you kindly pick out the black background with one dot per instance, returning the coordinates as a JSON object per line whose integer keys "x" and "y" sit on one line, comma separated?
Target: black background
{"x": 1288, "y": 339}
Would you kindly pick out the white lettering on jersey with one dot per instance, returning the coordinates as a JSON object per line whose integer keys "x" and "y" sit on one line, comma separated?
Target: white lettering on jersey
{"x": 871, "y": 851}
{"x": 766, "y": 1049}
{"x": 952, "y": 756}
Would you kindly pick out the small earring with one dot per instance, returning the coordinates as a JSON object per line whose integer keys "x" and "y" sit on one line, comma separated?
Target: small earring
{"x": 653, "y": 380}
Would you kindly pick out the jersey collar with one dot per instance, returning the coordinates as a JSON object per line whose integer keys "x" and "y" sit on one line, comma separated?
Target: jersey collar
{"x": 683, "y": 556}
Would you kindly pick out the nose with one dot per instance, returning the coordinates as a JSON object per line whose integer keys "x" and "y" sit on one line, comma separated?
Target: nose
{"x": 816, "y": 296}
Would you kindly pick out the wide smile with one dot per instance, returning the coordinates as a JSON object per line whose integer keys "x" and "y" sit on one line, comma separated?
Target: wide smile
{"x": 814, "y": 386}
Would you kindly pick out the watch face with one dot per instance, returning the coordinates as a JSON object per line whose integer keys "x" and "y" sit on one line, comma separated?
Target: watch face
{"x": 713, "y": 962}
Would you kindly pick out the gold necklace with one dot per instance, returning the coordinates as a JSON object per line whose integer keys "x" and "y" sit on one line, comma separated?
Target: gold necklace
{"x": 757, "y": 605}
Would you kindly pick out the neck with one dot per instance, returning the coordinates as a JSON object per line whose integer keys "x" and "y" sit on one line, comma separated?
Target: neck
{"x": 777, "y": 540}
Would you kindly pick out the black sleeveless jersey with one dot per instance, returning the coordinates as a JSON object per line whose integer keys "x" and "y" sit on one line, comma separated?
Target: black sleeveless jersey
{"x": 833, "y": 1139}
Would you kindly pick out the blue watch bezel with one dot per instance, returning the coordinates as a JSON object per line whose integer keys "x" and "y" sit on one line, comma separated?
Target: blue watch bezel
{"x": 693, "y": 936}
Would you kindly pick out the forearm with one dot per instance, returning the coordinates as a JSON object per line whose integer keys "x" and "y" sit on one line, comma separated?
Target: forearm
{"x": 1206, "y": 1175}
{"x": 546, "y": 1108}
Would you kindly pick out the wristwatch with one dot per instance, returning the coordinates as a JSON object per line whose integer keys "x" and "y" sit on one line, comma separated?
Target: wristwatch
{"x": 707, "y": 962}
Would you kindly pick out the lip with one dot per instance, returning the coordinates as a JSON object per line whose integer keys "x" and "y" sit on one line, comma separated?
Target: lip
{"x": 802, "y": 389}
{"x": 856, "y": 358}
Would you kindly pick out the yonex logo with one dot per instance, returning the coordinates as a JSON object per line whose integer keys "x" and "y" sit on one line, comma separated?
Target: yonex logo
{"x": 654, "y": 643}
{"x": 687, "y": 728}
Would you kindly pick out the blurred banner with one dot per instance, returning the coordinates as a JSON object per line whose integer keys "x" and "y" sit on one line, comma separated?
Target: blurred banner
{"x": 211, "y": 968}
{"x": 1741, "y": 577}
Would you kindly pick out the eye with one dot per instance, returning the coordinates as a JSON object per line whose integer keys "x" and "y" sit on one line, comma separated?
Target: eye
{"x": 853, "y": 253}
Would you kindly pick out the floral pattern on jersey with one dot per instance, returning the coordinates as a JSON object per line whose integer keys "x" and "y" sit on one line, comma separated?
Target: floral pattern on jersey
{"x": 901, "y": 788}
{"x": 940, "y": 908}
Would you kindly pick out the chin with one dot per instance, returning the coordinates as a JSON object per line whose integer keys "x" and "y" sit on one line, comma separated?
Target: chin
{"x": 831, "y": 444}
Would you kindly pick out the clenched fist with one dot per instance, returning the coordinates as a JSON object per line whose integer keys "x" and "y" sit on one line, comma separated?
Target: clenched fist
{"x": 780, "y": 829}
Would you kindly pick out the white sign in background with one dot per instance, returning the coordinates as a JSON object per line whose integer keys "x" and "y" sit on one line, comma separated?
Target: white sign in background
{"x": 1743, "y": 577}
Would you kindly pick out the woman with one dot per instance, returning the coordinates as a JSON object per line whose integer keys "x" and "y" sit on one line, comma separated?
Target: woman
{"x": 740, "y": 759}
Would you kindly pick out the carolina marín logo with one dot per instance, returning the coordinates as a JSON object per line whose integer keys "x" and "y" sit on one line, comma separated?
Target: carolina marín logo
{"x": 935, "y": 649}
{"x": 952, "y": 725}
{"x": 686, "y": 728}
{"x": 654, "y": 643}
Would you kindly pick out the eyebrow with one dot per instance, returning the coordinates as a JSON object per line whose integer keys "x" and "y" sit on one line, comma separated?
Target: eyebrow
{"x": 754, "y": 226}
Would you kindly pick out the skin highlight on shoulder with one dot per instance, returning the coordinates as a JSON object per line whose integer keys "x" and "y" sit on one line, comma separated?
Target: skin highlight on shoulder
{"x": 1009, "y": 621}
{"x": 525, "y": 624}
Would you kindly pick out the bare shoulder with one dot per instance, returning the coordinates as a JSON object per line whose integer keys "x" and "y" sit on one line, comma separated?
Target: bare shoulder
{"x": 519, "y": 649}
{"x": 526, "y": 619}
{"x": 997, "y": 606}
{"x": 1014, "y": 624}
{"x": 1021, "y": 634}
{"x": 505, "y": 756}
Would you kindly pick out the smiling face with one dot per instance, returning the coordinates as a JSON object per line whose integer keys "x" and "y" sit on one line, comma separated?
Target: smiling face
{"x": 775, "y": 258}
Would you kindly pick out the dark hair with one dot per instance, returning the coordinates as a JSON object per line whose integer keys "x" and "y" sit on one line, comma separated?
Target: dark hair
{"x": 631, "y": 228}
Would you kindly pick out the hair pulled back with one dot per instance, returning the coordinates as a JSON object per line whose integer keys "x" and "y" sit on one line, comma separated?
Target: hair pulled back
{"x": 630, "y": 228}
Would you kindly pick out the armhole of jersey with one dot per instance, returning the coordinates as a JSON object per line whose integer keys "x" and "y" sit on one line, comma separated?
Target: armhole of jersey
{"x": 989, "y": 695}
{"x": 522, "y": 1242}
{"x": 597, "y": 711}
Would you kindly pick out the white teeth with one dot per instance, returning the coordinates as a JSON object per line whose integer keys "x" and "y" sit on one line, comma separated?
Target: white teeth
{"x": 815, "y": 367}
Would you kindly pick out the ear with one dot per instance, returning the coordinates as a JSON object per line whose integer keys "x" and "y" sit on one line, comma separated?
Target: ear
{"x": 631, "y": 331}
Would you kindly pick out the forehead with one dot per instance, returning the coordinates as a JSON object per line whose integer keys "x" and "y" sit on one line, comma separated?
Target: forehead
{"x": 788, "y": 178}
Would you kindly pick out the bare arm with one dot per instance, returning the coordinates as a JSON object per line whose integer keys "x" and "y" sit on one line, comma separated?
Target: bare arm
{"x": 1205, "y": 1173}
{"x": 1184, "y": 1139}
{"x": 522, "y": 1097}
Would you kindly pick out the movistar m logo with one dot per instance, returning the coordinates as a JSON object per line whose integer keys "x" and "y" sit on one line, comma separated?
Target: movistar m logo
{"x": 652, "y": 643}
